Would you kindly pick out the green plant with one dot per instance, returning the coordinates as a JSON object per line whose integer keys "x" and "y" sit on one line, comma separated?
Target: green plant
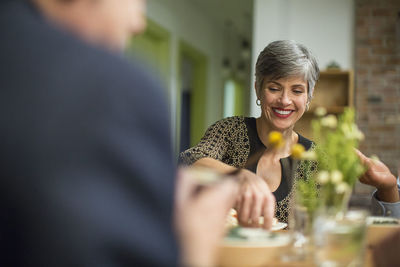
{"x": 337, "y": 166}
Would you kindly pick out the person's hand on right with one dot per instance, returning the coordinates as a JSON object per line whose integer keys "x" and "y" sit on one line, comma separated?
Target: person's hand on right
{"x": 379, "y": 176}
{"x": 255, "y": 199}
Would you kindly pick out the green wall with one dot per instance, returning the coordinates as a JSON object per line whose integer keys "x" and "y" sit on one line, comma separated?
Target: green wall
{"x": 198, "y": 98}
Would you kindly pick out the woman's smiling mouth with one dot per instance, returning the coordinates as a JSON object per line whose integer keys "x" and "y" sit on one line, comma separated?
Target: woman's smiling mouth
{"x": 282, "y": 113}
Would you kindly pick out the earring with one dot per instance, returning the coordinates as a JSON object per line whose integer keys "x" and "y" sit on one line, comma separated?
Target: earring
{"x": 307, "y": 106}
{"x": 258, "y": 102}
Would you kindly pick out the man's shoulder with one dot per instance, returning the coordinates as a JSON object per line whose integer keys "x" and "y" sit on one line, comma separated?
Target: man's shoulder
{"x": 59, "y": 68}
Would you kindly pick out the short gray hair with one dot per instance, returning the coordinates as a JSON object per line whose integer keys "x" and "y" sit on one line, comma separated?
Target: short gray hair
{"x": 285, "y": 58}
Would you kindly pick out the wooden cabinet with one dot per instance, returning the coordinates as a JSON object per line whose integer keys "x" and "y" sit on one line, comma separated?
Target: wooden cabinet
{"x": 333, "y": 91}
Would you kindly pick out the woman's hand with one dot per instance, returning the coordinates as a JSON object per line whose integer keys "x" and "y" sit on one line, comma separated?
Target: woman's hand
{"x": 200, "y": 217}
{"x": 255, "y": 199}
{"x": 379, "y": 176}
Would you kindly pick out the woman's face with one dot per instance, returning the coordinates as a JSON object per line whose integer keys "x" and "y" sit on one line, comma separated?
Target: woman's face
{"x": 283, "y": 101}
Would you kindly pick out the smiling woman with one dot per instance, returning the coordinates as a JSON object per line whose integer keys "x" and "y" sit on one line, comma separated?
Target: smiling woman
{"x": 286, "y": 73}
{"x": 283, "y": 102}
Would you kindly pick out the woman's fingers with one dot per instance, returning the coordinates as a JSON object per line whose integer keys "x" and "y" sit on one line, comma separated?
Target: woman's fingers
{"x": 255, "y": 201}
{"x": 256, "y": 210}
{"x": 268, "y": 202}
{"x": 245, "y": 208}
{"x": 269, "y": 210}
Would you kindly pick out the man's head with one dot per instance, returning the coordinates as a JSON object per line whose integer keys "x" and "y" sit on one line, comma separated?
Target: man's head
{"x": 106, "y": 22}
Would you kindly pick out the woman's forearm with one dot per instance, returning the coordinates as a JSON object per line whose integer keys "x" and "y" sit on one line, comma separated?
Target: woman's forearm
{"x": 214, "y": 164}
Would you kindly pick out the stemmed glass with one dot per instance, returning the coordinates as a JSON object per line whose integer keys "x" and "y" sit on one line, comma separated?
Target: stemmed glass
{"x": 300, "y": 226}
{"x": 340, "y": 241}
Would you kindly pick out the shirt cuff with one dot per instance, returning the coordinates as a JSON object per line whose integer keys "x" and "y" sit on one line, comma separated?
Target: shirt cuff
{"x": 381, "y": 208}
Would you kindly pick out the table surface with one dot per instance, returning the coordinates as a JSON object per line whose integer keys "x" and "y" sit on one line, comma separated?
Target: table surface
{"x": 368, "y": 262}
{"x": 373, "y": 236}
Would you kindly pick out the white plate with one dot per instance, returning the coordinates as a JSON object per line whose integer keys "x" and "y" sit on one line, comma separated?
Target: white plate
{"x": 255, "y": 237}
{"x": 231, "y": 221}
{"x": 278, "y": 226}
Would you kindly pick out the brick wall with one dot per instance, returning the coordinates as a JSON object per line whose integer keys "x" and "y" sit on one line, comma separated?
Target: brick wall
{"x": 377, "y": 79}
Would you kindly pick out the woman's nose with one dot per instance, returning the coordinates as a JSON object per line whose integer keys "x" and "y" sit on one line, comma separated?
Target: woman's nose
{"x": 285, "y": 99}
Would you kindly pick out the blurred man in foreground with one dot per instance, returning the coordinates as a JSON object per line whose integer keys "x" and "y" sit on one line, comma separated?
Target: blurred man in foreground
{"x": 86, "y": 165}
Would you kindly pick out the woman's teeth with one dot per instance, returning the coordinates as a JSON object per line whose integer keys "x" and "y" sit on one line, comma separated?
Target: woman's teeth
{"x": 282, "y": 112}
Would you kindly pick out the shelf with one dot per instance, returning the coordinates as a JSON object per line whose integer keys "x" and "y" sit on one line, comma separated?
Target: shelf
{"x": 333, "y": 91}
{"x": 334, "y": 72}
{"x": 329, "y": 110}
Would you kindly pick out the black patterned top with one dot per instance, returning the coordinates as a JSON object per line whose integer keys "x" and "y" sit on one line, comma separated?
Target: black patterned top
{"x": 233, "y": 141}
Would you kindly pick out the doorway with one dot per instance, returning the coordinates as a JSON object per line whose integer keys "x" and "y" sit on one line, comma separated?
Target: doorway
{"x": 191, "y": 96}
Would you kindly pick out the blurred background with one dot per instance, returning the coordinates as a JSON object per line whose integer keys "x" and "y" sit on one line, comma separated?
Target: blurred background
{"x": 204, "y": 52}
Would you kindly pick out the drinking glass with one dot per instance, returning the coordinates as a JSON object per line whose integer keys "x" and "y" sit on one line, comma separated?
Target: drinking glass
{"x": 339, "y": 241}
{"x": 300, "y": 226}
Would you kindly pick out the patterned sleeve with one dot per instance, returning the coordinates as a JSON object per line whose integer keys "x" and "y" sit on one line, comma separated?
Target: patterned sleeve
{"x": 215, "y": 143}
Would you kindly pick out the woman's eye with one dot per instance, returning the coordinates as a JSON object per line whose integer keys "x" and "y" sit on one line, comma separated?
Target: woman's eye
{"x": 298, "y": 92}
{"x": 273, "y": 89}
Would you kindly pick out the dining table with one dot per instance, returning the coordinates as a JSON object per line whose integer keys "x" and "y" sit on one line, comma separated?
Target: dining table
{"x": 309, "y": 262}
{"x": 251, "y": 258}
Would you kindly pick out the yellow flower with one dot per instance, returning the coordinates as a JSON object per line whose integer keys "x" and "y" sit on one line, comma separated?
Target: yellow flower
{"x": 275, "y": 139}
{"x": 297, "y": 151}
{"x": 323, "y": 177}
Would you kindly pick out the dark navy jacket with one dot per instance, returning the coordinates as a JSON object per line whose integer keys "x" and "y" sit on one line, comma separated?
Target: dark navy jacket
{"x": 86, "y": 168}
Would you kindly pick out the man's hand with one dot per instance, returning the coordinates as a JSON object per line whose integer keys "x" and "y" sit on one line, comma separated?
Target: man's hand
{"x": 255, "y": 200}
{"x": 379, "y": 176}
{"x": 200, "y": 217}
